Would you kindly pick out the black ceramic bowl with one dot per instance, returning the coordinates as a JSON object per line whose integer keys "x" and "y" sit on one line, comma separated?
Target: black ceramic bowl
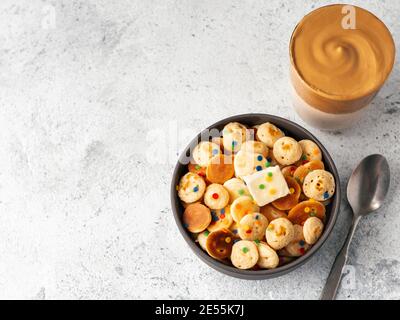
{"x": 291, "y": 129}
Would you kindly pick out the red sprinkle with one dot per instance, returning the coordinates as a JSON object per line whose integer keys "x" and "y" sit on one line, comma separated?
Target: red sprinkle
{"x": 222, "y": 216}
{"x": 302, "y": 250}
{"x": 215, "y": 196}
{"x": 248, "y": 231}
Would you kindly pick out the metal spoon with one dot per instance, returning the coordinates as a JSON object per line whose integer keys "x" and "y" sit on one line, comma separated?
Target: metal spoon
{"x": 366, "y": 191}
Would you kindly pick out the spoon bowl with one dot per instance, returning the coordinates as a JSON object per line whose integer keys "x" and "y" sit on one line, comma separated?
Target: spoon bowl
{"x": 368, "y": 185}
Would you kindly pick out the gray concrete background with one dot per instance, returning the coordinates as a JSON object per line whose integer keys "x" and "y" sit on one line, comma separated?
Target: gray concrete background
{"x": 84, "y": 175}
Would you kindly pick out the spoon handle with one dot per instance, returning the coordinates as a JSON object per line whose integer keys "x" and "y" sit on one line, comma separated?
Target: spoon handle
{"x": 333, "y": 281}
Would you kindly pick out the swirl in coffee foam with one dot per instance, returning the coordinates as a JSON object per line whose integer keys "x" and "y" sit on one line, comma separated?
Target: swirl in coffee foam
{"x": 337, "y": 63}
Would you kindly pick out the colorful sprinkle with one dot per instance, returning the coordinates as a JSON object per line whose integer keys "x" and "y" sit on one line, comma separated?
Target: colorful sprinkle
{"x": 267, "y": 164}
{"x": 235, "y": 240}
{"x": 291, "y": 190}
{"x": 262, "y": 186}
{"x": 241, "y": 192}
{"x": 222, "y": 211}
{"x": 257, "y": 217}
{"x": 302, "y": 243}
{"x": 268, "y": 178}
{"x": 215, "y": 152}
{"x": 304, "y": 157}
{"x": 177, "y": 188}
{"x": 197, "y": 167}
{"x": 222, "y": 216}
{"x": 272, "y": 191}
{"x": 228, "y": 239}
{"x": 259, "y": 158}
{"x": 326, "y": 195}
{"x": 206, "y": 233}
{"x": 302, "y": 250}
{"x": 196, "y": 189}
{"x": 269, "y": 159}
{"x": 245, "y": 249}
{"x": 258, "y": 168}
{"x": 235, "y": 231}
{"x": 215, "y": 196}
{"x": 185, "y": 225}
{"x": 269, "y": 174}
{"x": 307, "y": 209}
{"x": 257, "y": 241}
{"x": 248, "y": 231}
{"x": 312, "y": 214}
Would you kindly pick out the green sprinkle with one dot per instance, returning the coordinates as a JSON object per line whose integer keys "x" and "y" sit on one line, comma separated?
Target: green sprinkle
{"x": 197, "y": 167}
{"x": 241, "y": 192}
{"x": 269, "y": 174}
{"x": 304, "y": 157}
{"x": 245, "y": 249}
{"x": 257, "y": 242}
{"x": 312, "y": 214}
{"x": 268, "y": 164}
{"x": 262, "y": 186}
{"x": 206, "y": 233}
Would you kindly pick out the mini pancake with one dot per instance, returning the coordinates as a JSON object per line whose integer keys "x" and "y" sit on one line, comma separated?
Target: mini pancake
{"x": 202, "y": 239}
{"x": 220, "y": 219}
{"x": 268, "y": 258}
{"x": 204, "y": 151}
{"x": 242, "y": 206}
{"x": 319, "y": 185}
{"x": 302, "y": 171}
{"x": 220, "y": 169}
{"x": 310, "y": 150}
{"x": 289, "y": 201}
{"x": 312, "y": 230}
{"x": 255, "y": 147}
{"x": 244, "y": 254}
{"x": 272, "y": 213}
{"x": 287, "y": 151}
{"x": 236, "y": 188}
{"x": 219, "y": 244}
{"x": 191, "y": 188}
{"x": 289, "y": 170}
{"x": 297, "y": 247}
{"x": 196, "y": 217}
{"x": 246, "y": 163}
{"x": 216, "y": 196}
{"x": 252, "y": 226}
{"x": 306, "y": 209}
{"x": 280, "y": 233}
{"x": 234, "y": 134}
{"x": 195, "y": 168}
{"x": 269, "y": 134}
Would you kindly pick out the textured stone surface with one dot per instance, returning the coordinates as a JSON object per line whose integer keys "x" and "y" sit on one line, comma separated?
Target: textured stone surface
{"x": 84, "y": 178}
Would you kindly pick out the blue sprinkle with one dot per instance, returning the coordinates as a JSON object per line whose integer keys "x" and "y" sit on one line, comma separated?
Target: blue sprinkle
{"x": 235, "y": 231}
{"x": 301, "y": 243}
{"x": 269, "y": 159}
{"x": 257, "y": 217}
{"x": 185, "y": 225}
{"x": 259, "y": 158}
{"x": 222, "y": 211}
{"x": 214, "y": 216}
{"x": 258, "y": 168}
{"x": 236, "y": 240}
{"x": 215, "y": 152}
{"x": 326, "y": 195}
{"x": 234, "y": 143}
{"x": 196, "y": 188}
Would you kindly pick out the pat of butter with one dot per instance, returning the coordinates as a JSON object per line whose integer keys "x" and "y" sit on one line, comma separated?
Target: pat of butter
{"x": 267, "y": 185}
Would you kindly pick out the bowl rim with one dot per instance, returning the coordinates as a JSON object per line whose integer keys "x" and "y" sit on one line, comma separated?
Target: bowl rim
{"x": 264, "y": 273}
